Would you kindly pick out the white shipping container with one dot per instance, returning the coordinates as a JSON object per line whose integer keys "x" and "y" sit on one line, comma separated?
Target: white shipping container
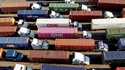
{"x": 108, "y": 23}
{"x": 62, "y": 22}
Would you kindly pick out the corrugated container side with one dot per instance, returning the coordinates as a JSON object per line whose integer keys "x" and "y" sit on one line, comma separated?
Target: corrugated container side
{"x": 7, "y": 21}
{"x": 15, "y": 42}
{"x": 115, "y": 33}
{"x": 50, "y": 56}
{"x": 63, "y": 7}
{"x": 60, "y": 67}
{"x": 108, "y": 23}
{"x": 6, "y": 68}
{"x": 113, "y": 4}
{"x": 54, "y": 22}
{"x": 57, "y": 32}
{"x": 75, "y": 44}
{"x": 32, "y": 14}
{"x": 114, "y": 56}
{"x": 120, "y": 68}
{"x": 8, "y": 30}
{"x": 85, "y": 15}
{"x": 8, "y": 7}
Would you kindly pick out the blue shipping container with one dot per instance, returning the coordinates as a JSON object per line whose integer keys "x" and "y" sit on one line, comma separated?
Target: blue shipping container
{"x": 6, "y": 68}
{"x": 114, "y": 57}
{"x": 57, "y": 67}
{"x": 24, "y": 14}
{"x": 14, "y": 42}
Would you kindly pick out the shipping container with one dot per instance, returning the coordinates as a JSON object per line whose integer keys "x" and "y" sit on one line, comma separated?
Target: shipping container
{"x": 91, "y": 2}
{"x": 108, "y": 23}
{"x": 111, "y": 4}
{"x": 84, "y": 16}
{"x": 8, "y": 30}
{"x": 34, "y": 14}
{"x": 115, "y": 33}
{"x": 7, "y": 21}
{"x": 54, "y": 22}
{"x": 61, "y": 67}
{"x": 14, "y": 42}
{"x": 75, "y": 44}
{"x": 120, "y": 68}
{"x": 114, "y": 57}
{"x": 57, "y": 32}
{"x": 12, "y": 7}
{"x": 50, "y": 56}
{"x": 63, "y": 7}
{"x": 123, "y": 12}
{"x": 6, "y": 68}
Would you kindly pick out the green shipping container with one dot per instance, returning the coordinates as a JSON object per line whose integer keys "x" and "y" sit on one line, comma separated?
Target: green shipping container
{"x": 63, "y": 7}
{"x": 115, "y": 33}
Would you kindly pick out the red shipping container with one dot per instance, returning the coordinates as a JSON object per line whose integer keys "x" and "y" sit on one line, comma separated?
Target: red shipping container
{"x": 85, "y": 15}
{"x": 8, "y": 7}
{"x": 86, "y": 1}
{"x": 75, "y": 44}
{"x": 8, "y": 30}
{"x": 92, "y": 1}
{"x": 120, "y": 68}
{"x": 57, "y": 32}
{"x": 111, "y": 4}
{"x": 50, "y": 56}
